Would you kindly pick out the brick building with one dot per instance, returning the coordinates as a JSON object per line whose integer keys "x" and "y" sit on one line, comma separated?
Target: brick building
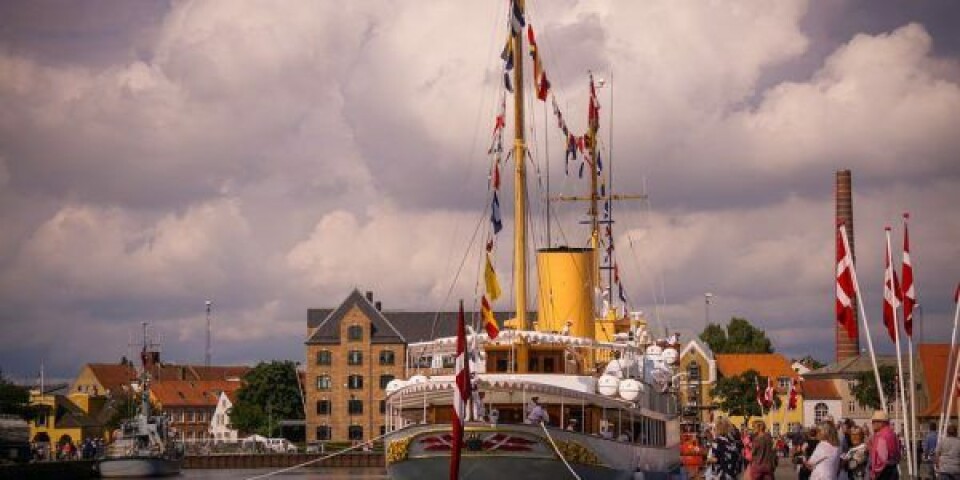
{"x": 191, "y": 404}
{"x": 353, "y": 351}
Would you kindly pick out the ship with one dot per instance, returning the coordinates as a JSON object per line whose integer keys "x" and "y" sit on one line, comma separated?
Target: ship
{"x": 579, "y": 388}
{"x": 144, "y": 445}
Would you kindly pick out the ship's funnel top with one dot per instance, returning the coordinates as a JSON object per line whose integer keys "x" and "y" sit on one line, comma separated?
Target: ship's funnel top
{"x": 566, "y": 290}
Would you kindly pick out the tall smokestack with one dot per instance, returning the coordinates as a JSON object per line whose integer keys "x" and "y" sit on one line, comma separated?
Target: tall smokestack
{"x": 846, "y": 347}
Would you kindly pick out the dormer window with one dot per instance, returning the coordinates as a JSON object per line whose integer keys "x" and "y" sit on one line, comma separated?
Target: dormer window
{"x": 355, "y": 333}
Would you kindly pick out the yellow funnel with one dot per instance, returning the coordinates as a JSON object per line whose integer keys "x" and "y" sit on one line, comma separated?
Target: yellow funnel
{"x": 565, "y": 290}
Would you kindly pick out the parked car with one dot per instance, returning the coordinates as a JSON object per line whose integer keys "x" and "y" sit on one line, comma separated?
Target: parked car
{"x": 281, "y": 445}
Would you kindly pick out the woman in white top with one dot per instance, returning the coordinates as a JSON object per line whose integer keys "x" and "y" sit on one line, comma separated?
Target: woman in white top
{"x": 824, "y": 463}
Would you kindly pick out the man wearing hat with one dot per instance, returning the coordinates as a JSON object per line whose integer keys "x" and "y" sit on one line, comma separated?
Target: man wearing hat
{"x": 884, "y": 448}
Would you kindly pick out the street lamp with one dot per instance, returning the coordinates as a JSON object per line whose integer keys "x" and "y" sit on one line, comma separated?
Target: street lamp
{"x": 706, "y": 308}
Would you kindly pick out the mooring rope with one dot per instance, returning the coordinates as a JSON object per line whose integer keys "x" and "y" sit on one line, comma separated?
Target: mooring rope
{"x": 557, "y": 450}
{"x": 315, "y": 460}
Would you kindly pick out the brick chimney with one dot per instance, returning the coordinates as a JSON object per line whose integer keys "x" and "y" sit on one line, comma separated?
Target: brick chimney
{"x": 846, "y": 348}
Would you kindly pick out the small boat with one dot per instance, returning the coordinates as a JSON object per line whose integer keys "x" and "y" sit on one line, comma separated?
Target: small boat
{"x": 144, "y": 445}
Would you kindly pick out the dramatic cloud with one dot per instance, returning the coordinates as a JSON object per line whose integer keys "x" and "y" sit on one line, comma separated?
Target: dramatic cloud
{"x": 272, "y": 158}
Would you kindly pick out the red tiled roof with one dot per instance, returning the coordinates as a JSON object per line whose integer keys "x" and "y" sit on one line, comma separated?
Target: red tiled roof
{"x": 113, "y": 375}
{"x": 191, "y": 393}
{"x": 933, "y": 360}
{"x": 820, "y": 390}
{"x": 765, "y": 364}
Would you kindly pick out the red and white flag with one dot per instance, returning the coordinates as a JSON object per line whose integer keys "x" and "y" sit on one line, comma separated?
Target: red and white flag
{"x": 460, "y": 395}
{"x": 845, "y": 287}
{"x": 891, "y": 293}
{"x": 768, "y": 393}
{"x": 756, "y": 384}
{"x": 792, "y": 402}
{"x": 909, "y": 294}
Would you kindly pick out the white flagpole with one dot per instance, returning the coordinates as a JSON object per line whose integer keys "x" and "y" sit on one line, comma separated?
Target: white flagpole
{"x": 908, "y": 261}
{"x": 913, "y": 399}
{"x": 863, "y": 317}
{"x": 949, "y": 389}
{"x": 944, "y": 412}
{"x": 896, "y": 339}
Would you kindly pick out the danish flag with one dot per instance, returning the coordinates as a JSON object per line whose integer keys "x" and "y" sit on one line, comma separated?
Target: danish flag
{"x": 845, "y": 287}
{"x": 909, "y": 294}
{"x": 891, "y": 294}
{"x": 460, "y": 396}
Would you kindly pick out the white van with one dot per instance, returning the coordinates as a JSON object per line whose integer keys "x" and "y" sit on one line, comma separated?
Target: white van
{"x": 280, "y": 445}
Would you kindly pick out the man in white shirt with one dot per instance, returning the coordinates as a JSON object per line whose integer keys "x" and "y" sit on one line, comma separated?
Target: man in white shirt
{"x": 537, "y": 413}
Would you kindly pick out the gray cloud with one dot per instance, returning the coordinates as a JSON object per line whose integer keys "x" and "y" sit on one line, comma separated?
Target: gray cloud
{"x": 273, "y": 159}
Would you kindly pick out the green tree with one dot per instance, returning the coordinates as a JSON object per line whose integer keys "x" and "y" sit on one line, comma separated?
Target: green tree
{"x": 740, "y": 337}
{"x": 14, "y": 399}
{"x": 865, "y": 386}
{"x": 270, "y": 393}
{"x": 736, "y": 395}
{"x": 811, "y": 363}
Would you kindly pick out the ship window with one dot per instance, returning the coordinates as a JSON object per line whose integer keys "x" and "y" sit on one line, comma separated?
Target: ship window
{"x": 355, "y": 432}
{"x": 324, "y": 357}
{"x": 355, "y": 357}
{"x": 355, "y": 333}
{"x": 323, "y": 407}
{"x": 387, "y": 357}
{"x": 498, "y": 361}
{"x": 323, "y": 432}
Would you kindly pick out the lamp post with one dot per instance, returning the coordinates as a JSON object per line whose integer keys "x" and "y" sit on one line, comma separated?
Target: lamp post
{"x": 706, "y": 308}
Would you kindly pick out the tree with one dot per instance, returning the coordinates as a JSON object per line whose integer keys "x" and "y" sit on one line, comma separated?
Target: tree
{"x": 271, "y": 393}
{"x": 14, "y": 399}
{"x": 740, "y": 337}
{"x": 811, "y": 363}
{"x": 865, "y": 386}
{"x": 736, "y": 395}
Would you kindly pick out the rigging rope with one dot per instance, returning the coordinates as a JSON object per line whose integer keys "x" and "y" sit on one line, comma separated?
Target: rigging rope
{"x": 557, "y": 451}
{"x": 315, "y": 460}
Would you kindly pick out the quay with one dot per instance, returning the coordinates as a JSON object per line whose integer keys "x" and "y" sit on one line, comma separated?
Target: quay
{"x": 231, "y": 461}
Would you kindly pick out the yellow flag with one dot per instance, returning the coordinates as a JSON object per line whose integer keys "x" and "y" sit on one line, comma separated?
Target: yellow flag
{"x": 490, "y": 278}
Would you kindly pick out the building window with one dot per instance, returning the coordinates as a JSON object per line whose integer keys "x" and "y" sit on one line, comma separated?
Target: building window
{"x": 693, "y": 372}
{"x": 323, "y": 407}
{"x": 355, "y": 357}
{"x": 783, "y": 383}
{"x": 354, "y": 407}
{"x": 355, "y": 432}
{"x": 851, "y": 406}
{"x": 355, "y": 333}
{"x": 41, "y": 420}
{"x": 355, "y": 382}
{"x": 323, "y": 382}
{"x": 820, "y": 412}
{"x": 387, "y": 357}
{"x": 383, "y": 406}
{"x": 323, "y": 432}
{"x": 385, "y": 379}
{"x": 383, "y": 430}
{"x": 324, "y": 357}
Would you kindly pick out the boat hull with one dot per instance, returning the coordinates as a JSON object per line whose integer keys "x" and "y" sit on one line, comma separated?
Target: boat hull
{"x": 139, "y": 467}
{"x": 523, "y": 451}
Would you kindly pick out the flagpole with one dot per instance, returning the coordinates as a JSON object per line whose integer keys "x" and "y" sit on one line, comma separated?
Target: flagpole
{"x": 949, "y": 389}
{"x": 945, "y": 414}
{"x": 896, "y": 340}
{"x": 866, "y": 325}
{"x": 908, "y": 292}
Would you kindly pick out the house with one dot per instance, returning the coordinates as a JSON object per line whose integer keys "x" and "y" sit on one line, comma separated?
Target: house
{"x": 821, "y": 400}
{"x": 932, "y": 371}
{"x": 697, "y": 361}
{"x": 843, "y": 376}
{"x": 775, "y": 367}
{"x": 191, "y": 404}
{"x": 220, "y": 430}
{"x": 112, "y": 378}
{"x": 67, "y": 418}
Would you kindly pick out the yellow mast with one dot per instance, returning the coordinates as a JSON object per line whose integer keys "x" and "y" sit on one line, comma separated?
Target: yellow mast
{"x": 520, "y": 198}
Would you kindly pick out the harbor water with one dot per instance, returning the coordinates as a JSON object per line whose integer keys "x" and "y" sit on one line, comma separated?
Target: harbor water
{"x": 338, "y": 473}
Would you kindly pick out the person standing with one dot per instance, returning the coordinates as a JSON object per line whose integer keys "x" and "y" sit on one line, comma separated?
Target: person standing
{"x": 537, "y": 413}
{"x": 947, "y": 456}
{"x": 884, "y": 449}
{"x": 763, "y": 462}
{"x": 854, "y": 461}
{"x": 806, "y": 451}
{"x": 825, "y": 461}
{"x": 723, "y": 459}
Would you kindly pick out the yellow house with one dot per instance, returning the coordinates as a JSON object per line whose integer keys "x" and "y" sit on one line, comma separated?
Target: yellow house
{"x": 699, "y": 374}
{"x": 777, "y": 368}
{"x": 66, "y": 418}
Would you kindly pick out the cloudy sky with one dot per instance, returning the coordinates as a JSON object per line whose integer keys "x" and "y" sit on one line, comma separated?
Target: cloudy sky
{"x": 273, "y": 156}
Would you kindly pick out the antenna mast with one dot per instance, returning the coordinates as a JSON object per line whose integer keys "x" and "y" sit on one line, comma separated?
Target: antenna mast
{"x": 207, "y": 357}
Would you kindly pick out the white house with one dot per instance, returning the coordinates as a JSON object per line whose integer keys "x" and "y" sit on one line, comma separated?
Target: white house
{"x": 220, "y": 429}
{"x": 820, "y": 400}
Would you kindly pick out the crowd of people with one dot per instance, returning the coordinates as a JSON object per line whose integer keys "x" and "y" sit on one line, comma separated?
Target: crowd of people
{"x": 827, "y": 451}
{"x": 90, "y": 448}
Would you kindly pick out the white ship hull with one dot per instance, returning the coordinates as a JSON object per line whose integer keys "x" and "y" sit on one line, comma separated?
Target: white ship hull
{"x": 139, "y": 467}
{"x": 422, "y": 452}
